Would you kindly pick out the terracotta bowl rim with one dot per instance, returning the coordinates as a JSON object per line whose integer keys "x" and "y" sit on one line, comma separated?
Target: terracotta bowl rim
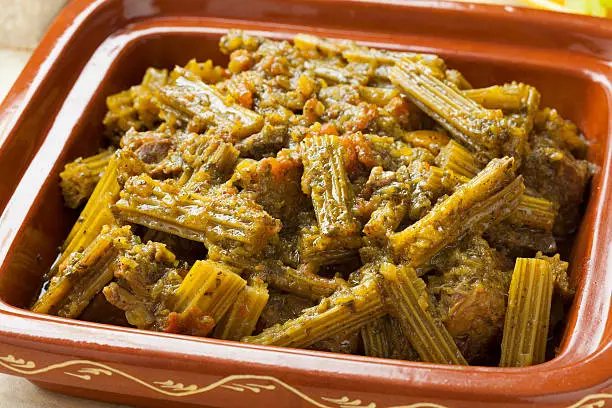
{"x": 12, "y": 109}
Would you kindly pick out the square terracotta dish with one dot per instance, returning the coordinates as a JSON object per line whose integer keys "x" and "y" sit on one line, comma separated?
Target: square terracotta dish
{"x": 95, "y": 48}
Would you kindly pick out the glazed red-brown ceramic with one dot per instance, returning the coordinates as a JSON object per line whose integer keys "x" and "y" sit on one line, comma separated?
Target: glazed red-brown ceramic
{"x": 53, "y": 114}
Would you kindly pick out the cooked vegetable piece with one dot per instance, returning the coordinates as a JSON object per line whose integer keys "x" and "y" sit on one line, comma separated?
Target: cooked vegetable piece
{"x": 485, "y": 200}
{"x": 326, "y": 181}
{"x": 528, "y": 314}
{"x": 208, "y": 290}
{"x": 481, "y": 129}
{"x": 560, "y": 277}
{"x": 319, "y": 249}
{"x": 211, "y": 163}
{"x": 428, "y": 139}
{"x": 283, "y": 307}
{"x": 355, "y": 53}
{"x": 308, "y": 42}
{"x": 190, "y": 98}
{"x": 299, "y": 282}
{"x": 378, "y": 96}
{"x": 385, "y": 338}
{"x": 107, "y": 186}
{"x": 458, "y": 159}
{"x": 534, "y": 212}
{"x": 406, "y": 299}
{"x": 96, "y": 212}
{"x": 207, "y": 70}
{"x": 400, "y": 348}
{"x": 344, "y": 311}
{"x": 456, "y": 78}
{"x": 80, "y": 177}
{"x": 386, "y": 218}
{"x": 224, "y": 218}
{"x": 513, "y": 97}
{"x": 85, "y": 273}
{"x": 243, "y": 315}
{"x": 521, "y": 103}
{"x": 407, "y": 193}
{"x": 135, "y": 108}
{"x": 375, "y": 338}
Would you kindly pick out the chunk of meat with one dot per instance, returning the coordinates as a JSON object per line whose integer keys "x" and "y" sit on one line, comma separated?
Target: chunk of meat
{"x": 470, "y": 294}
{"x": 150, "y": 147}
{"x": 559, "y": 177}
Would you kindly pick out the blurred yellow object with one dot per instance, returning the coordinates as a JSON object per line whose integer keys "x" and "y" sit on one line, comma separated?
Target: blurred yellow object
{"x": 548, "y": 5}
{"x": 597, "y": 8}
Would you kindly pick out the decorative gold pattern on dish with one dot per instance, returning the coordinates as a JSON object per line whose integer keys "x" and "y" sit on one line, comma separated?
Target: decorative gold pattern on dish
{"x": 89, "y": 369}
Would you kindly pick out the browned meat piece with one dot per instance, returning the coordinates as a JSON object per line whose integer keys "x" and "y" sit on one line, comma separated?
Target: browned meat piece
{"x": 347, "y": 343}
{"x": 264, "y": 143}
{"x": 275, "y": 184}
{"x": 563, "y": 132}
{"x": 145, "y": 278}
{"x": 558, "y": 176}
{"x": 99, "y": 310}
{"x": 154, "y": 151}
{"x": 519, "y": 241}
{"x": 470, "y": 294}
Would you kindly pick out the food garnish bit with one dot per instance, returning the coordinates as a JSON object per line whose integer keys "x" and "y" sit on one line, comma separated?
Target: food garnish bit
{"x": 325, "y": 195}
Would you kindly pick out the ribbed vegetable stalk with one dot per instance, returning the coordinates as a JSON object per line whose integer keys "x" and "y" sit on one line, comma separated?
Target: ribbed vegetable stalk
{"x": 320, "y": 249}
{"x": 375, "y": 335}
{"x": 481, "y": 129}
{"x": 486, "y": 199}
{"x": 407, "y": 300}
{"x": 345, "y": 311}
{"x": 301, "y": 283}
{"x": 192, "y": 99}
{"x": 532, "y": 212}
{"x": 210, "y": 288}
{"x": 221, "y": 218}
{"x": 528, "y": 313}
{"x": 211, "y": 162}
{"x": 97, "y": 211}
{"x": 80, "y": 177}
{"x": 513, "y": 97}
{"x": 326, "y": 181}
{"x": 242, "y": 317}
{"x": 84, "y": 274}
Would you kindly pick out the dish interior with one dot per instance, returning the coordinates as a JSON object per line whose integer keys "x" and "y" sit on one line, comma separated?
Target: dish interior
{"x": 576, "y": 94}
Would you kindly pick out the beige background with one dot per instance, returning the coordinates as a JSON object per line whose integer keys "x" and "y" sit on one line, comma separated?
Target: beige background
{"x": 22, "y": 24}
